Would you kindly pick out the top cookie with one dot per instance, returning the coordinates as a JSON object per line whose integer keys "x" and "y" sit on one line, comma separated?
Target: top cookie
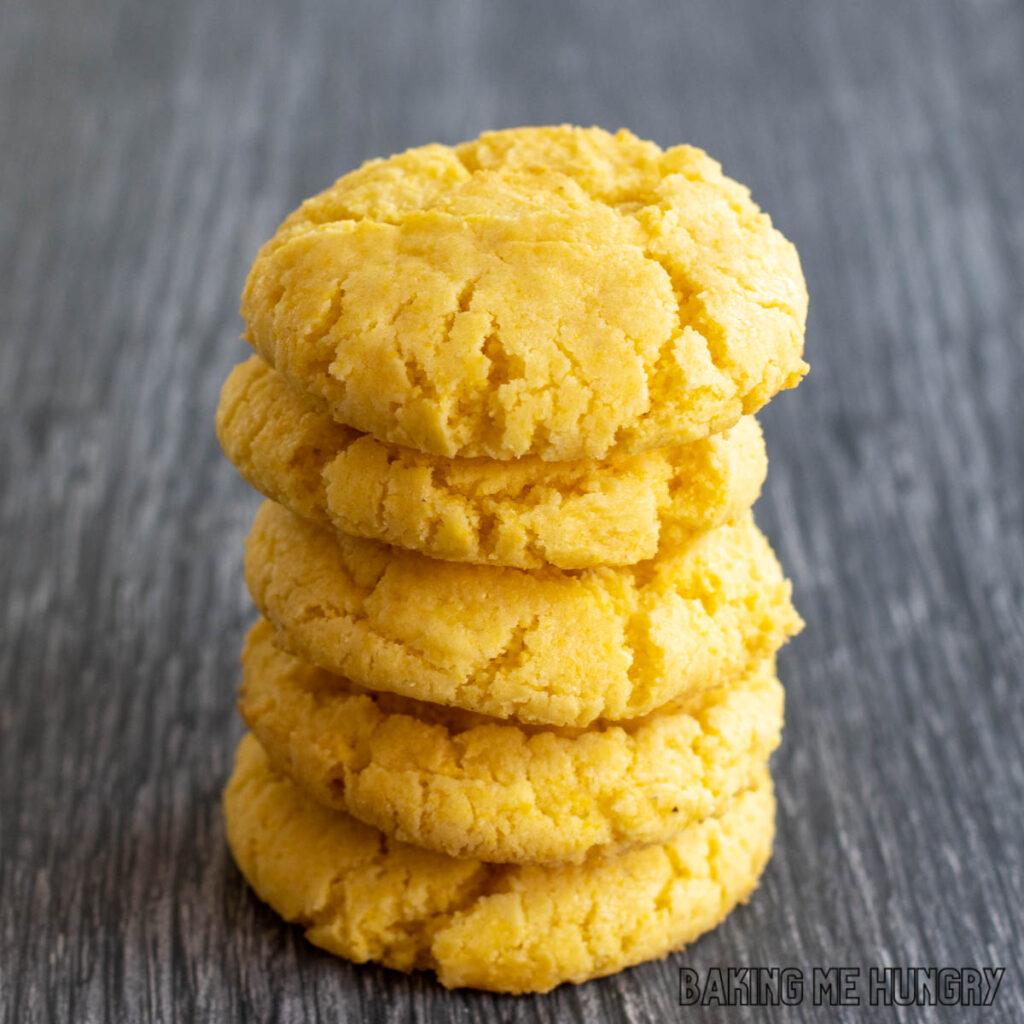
{"x": 561, "y": 292}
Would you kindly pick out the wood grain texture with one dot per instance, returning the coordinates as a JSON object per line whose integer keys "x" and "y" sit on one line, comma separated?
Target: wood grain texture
{"x": 148, "y": 150}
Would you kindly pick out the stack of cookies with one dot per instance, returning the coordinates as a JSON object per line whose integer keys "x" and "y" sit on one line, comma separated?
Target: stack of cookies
{"x": 513, "y": 692}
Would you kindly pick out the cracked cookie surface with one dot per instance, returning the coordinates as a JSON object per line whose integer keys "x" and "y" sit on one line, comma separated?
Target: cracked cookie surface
{"x": 540, "y": 645}
{"x": 507, "y": 928}
{"x": 524, "y": 513}
{"x": 561, "y": 292}
{"x": 472, "y": 786}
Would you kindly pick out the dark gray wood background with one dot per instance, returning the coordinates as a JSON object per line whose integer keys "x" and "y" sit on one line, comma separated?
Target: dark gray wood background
{"x": 147, "y": 150}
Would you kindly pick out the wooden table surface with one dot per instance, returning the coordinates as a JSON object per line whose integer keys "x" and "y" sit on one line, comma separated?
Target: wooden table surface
{"x": 149, "y": 148}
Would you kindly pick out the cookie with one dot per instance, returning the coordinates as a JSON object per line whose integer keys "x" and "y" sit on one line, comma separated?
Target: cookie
{"x": 508, "y": 928}
{"x": 561, "y": 292}
{"x": 471, "y": 786}
{"x": 525, "y": 513}
{"x": 541, "y": 645}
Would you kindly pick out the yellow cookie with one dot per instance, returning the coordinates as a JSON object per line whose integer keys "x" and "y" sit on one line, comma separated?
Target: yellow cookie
{"x": 541, "y": 645}
{"x": 508, "y": 928}
{"x": 471, "y": 786}
{"x": 561, "y": 292}
{"x": 524, "y": 513}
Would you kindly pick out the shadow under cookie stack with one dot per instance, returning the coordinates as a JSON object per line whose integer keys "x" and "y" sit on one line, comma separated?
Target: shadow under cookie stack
{"x": 512, "y": 694}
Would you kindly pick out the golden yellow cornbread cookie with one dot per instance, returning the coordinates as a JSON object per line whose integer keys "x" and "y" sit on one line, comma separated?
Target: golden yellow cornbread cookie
{"x": 541, "y": 645}
{"x": 560, "y": 291}
{"x": 524, "y": 513}
{"x": 472, "y": 786}
{"x": 509, "y": 928}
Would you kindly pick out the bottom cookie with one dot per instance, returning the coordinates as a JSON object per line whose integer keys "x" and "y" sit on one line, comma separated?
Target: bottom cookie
{"x": 506, "y": 928}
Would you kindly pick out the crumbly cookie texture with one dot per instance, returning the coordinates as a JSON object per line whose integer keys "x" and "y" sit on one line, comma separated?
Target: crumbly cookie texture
{"x": 561, "y": 292}
{"x": 507, "y": 928}
{"x": 472, "y": 786}
{"x": 524, "y": 513}
{"x": 544, "y": 645}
